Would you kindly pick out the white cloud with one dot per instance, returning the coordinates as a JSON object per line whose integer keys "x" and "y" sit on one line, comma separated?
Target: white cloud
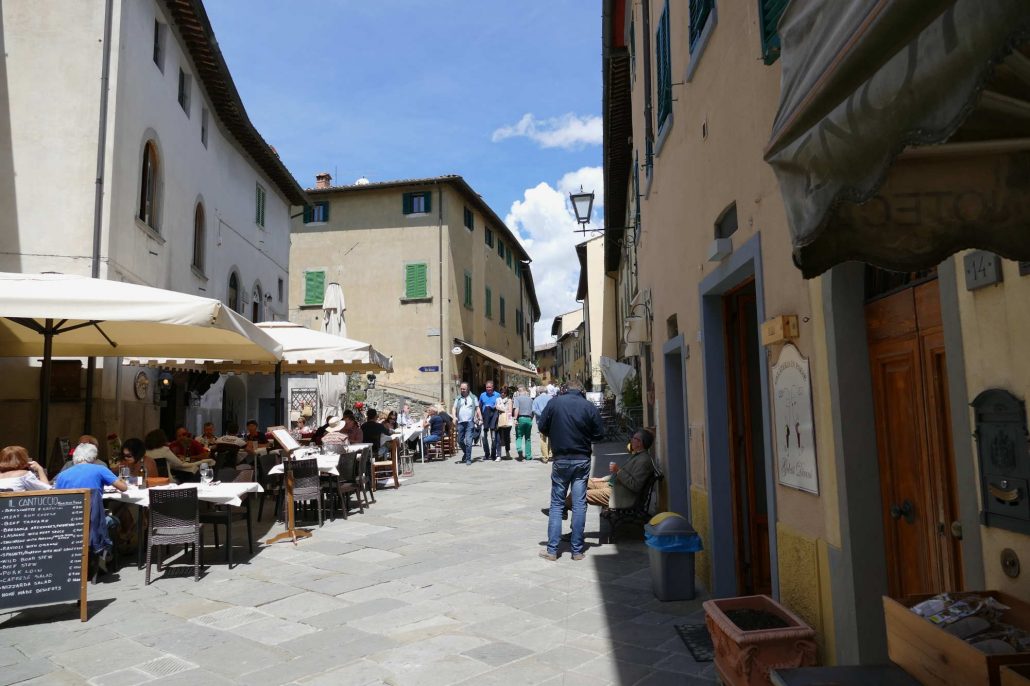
{"x": 545, "y": 223}
{"x": 568, "y": 131}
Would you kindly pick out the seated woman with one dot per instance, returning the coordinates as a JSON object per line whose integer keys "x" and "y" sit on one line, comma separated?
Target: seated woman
{"x": 435, "y": 424}
{"x": 19, "y": 473}
{"x": 133, "y": 458}
{"x": 156, "y": 443}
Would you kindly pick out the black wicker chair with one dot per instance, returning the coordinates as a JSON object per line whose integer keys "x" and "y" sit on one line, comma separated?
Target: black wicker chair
{"x": 307, "y": 486}
{"x": 174, "y": 520}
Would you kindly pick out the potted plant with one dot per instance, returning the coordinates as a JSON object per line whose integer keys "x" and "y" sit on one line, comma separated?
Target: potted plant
{"x": 755, "y": 634}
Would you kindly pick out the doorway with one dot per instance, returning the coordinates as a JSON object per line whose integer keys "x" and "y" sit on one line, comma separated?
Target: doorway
{"x": 746, "y": 446}
{"x": 913, "y": 433}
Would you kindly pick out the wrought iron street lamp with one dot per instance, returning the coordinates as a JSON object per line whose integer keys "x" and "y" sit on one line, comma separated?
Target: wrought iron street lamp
{"x": 582, "y": 205}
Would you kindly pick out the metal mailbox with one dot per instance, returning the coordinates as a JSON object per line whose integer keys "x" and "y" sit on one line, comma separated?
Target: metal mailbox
{"x": 1004, "y": 457}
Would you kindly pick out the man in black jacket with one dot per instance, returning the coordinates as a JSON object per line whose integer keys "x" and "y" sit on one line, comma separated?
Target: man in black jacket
{"x": 572, "y": 424}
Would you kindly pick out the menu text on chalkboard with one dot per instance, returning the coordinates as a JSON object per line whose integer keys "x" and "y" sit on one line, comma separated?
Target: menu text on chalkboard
{"x": 44, "y": 547}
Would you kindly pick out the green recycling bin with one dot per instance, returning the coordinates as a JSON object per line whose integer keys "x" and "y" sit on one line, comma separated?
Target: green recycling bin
{"x": 671, "y": 544}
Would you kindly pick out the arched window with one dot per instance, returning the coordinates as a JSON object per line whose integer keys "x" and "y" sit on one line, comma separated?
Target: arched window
{"x": 234, "y": 292}
{"x": 198, "y": 238}
{"x": 256, "y": 305}
{"x": 148, "y": 187}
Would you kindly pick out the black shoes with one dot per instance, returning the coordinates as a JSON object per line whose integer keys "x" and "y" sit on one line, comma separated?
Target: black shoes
{"x": 547, "y": 512}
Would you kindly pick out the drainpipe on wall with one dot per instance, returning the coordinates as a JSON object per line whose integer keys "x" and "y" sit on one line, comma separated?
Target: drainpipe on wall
{"x": 439, "y": 214}
{"x": 98, "y": 197}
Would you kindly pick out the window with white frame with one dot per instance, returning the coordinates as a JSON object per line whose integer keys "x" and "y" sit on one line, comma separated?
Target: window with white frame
{"x": 149, "y": 170}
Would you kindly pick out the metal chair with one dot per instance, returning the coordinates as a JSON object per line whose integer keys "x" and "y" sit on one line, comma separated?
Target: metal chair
{"x": 225, "y": 515}
{"x": 306, "y": 484}
{"x": 174, "y": 520}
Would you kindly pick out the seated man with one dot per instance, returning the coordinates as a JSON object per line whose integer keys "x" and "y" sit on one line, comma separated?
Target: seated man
{"x": 86, "y": 473}
{"x": 186, "y": 447}
{"x": 207, "y": 438}
{"x": 232, "y": 435}
{"x": 624, "y": 485}
{"x": 84, "y": 438}
{"x": 435, "y": 423}
{"x": 372, "y": 432}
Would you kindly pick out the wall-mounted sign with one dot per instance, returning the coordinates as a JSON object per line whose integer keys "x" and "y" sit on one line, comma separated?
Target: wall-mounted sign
{"x": 793, "y": 429}
{"x": 429, "y": 368}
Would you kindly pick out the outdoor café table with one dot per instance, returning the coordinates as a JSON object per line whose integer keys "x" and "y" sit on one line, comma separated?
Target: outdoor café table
{"x": 327, "y": 462}
{"x": 220, "y": 494}
{"x": 405, "y": 463}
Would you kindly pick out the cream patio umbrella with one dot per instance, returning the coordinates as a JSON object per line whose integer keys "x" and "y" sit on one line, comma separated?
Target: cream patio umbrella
{"x": 303, "y": 351}
{"x": 60, "y": 315}
{"x": 331, "y": 386}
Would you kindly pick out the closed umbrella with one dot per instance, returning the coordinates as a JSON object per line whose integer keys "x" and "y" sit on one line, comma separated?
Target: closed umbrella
{"x": 615, "y": 374}
{"x": 59, "y": 315}
{"x": 332, "y": 386}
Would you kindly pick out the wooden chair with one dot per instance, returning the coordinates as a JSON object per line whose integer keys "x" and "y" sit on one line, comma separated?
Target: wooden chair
{"x": 387, "y": 468}
{"x": 174, "y": 519}
{"x": 449, "y": 442}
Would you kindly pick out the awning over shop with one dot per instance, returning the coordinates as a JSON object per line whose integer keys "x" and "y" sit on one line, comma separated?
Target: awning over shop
{"x": 866, "y": 79}
{"x": 498, "y": 359}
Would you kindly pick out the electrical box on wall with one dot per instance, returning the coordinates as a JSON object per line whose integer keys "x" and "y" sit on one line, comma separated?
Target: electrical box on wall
{"x": 1004, "y": 459}
{"x": 780, "y": 329}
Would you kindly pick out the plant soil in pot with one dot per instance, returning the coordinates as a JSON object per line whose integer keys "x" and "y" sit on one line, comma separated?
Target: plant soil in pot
{"x": 755, "y": 634}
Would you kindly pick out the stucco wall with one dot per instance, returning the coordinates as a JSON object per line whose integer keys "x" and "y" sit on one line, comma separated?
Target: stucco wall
{"x": 995, "y": 327}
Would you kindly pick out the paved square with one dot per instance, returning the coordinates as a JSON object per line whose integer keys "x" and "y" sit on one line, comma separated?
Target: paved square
{"x": 436, "y": 583}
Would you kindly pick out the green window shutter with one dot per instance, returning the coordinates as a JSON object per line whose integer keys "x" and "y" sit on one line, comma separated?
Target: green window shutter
{"x": 770, "y": 12}
{"x": 415, "y": 280}
{"x": 314, "y": 287}
{"x": 489, "y": 303}
{"x": 428, "y": 195}
{"x": 488, "y": 236}
{"x": 663, "y": 63}
{"x": 407, "y": 203}
{"x": 307, "y": 214}
{"x": 468, "y": 290}
{"x": 325, "y": 211}
{"x": 699, "y": 12}
{"x": 508, "y": 259}
{"x": 501, "y": 309}
{"x": 500, "y": 249}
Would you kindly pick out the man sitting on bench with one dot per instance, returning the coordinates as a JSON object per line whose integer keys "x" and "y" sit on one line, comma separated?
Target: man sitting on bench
{"x": 626, "y": 483}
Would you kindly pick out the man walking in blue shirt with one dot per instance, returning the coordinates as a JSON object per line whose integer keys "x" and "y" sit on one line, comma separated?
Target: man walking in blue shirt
{"x": 487, "y": 414}
{"x": 464, "y": 413}
{"x": 572, "y": 424}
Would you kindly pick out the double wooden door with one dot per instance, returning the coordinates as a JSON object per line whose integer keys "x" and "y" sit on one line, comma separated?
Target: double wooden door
{"x": 913, "y": 432}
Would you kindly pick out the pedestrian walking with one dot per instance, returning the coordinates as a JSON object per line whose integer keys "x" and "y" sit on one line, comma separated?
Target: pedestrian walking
{"x": 503, "y": 408}
{"x": 464, "y": 412}
{"x": 573, "y": 424}
{"x": 487, "y": 415}
{"x": 524, "y": 424}
{"x": 539, "y": 403}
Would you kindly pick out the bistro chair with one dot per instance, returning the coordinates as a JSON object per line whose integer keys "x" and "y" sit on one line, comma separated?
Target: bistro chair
{"x": 387, "y": 468}
{"x": 340, "y": 486}
{"x": 306, "y": 484}
{"x": 363, "y": 477}
{"x": 225, "y": 515}
{"x": 162, "y": 467}
{"x": 174, "y": 520}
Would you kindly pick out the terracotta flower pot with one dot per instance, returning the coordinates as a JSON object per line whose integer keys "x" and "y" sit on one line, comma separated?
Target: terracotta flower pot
{"x": 772, "y": 637}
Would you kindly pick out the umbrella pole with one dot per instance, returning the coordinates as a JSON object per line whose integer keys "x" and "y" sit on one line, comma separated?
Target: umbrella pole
{"x": 44, "y": 389}
{"x": 91, "y": 368}
{"x": 279, "y": 394}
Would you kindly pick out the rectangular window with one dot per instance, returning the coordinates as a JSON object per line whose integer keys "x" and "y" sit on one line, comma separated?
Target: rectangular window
{"x": 159, "y": 45}
{"x": 518, "y": 270}
{"x": 700, "y": 11}
{"x": 314, "y": 287}
{"x": 184, "y": 91}
{"x": 489, "y": 303}
{"x": 500, "y": 310}
{"x": 317, "y": 212}
{"x": 469, "y": 220}
{"x": 518, "y": 321}
{"x": 663, "y": 63}
{"x": 203, "y": 126}
{"x": 488, "y": 236}
{"x": 769, "y": 13}
{"x": 500, "y": 249}
{"x": 632, "y": 50}
{"x": 468, "y": 291}
{"x": 416, "y": 280}
{"x": 508, "y": 258}
{"x": 280, "y": 289}
{"x": 259, "y": 205}
{"x": 418, "y": 203}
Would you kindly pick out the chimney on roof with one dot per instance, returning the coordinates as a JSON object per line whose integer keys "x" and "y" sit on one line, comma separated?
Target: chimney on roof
{"x": 323, "y": 180}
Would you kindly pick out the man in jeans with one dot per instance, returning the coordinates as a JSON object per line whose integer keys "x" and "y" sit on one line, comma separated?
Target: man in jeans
{"x": 524, "y": 424}
{"x": 571, "y": 423}
{"x": 487, "y": 414}
{"x": 464, "y": 412}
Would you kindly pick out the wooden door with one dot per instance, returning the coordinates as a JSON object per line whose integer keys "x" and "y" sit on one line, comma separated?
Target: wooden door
{"x": 909, "y": 375}
{"x": 747, "y": 454}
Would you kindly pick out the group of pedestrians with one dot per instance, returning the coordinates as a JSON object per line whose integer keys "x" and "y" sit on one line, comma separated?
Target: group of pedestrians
{"x": 493, "y": 415}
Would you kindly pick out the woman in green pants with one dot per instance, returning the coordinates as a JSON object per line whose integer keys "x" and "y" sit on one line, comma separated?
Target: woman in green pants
{"x": 524, "y": 425}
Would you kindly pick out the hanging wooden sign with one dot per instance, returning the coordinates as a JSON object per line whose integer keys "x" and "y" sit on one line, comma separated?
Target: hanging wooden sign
{"x": 793, "y": 427}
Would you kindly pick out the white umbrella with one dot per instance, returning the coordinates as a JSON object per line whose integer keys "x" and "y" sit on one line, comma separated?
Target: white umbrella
{"x": 332, "y": 386}
{"x": 615, "y": 374}
{"x": 58, "y": 315}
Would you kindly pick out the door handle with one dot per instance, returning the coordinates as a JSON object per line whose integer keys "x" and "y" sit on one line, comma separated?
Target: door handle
{"x": 956, "y": 530}
{"x": 904, "y": 510}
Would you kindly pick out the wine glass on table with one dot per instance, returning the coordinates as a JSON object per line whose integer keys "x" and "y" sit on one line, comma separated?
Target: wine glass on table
{"x": 205, "y": 473}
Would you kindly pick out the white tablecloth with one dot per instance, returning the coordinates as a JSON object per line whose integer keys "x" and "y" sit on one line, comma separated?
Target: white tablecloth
{"x": 328, "y": 462}
{"x": 220, "y": 494}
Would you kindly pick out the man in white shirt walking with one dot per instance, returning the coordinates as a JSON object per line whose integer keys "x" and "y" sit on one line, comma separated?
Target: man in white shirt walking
{"x": 464, "y": 413}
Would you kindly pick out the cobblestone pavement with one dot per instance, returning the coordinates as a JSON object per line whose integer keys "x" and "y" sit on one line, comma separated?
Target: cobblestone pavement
{"x": 438, "y": 582}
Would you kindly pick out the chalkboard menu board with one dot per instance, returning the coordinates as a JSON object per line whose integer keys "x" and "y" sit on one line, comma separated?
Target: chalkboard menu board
{"x": 44, "y": 547}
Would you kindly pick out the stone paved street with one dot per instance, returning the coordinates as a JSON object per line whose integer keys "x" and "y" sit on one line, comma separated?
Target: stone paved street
{"x": 437, "y": 583}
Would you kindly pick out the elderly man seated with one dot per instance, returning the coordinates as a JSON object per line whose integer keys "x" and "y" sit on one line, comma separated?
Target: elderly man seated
{"x": 87, "y": 473}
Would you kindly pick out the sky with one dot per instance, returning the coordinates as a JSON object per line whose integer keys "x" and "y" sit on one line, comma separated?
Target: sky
{"x": 506, "y": 94}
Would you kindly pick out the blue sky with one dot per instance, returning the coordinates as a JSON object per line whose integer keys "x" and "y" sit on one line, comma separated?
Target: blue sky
{"x": 507, "y": 94}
